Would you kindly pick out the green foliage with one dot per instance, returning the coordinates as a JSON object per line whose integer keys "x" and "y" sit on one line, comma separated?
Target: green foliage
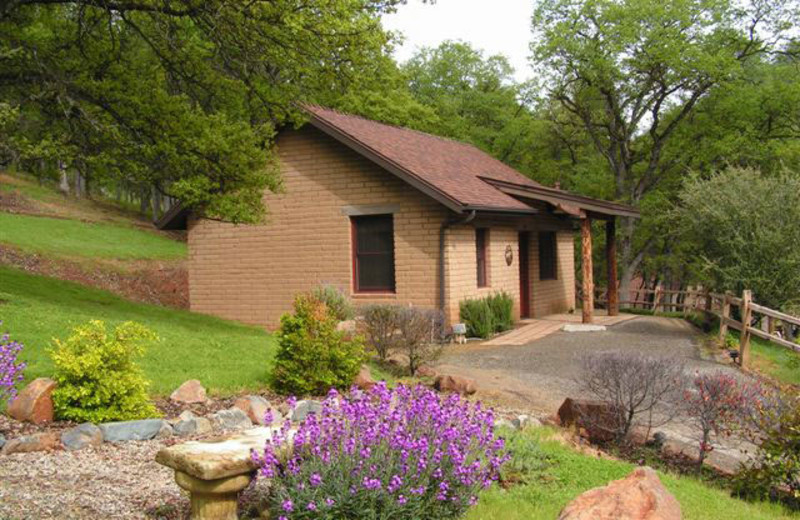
{"x": 486, "y": 316}
{"x": 501, "y": 305}
{"x": 97, "y": 375}
{"x": 477, "y": 316}
{"x": 313, "y": 356}
{"x": 528, "y": 461}
{"x": 336, "y": 300}
{"x": 213, "y": 82}
{"x": 227, "y": 356}
{"x": 740, "y": 229}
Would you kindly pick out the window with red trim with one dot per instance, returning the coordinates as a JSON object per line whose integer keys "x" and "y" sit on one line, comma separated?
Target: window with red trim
{"x": 481, "y": 248}
{"x": 373, "y": 253}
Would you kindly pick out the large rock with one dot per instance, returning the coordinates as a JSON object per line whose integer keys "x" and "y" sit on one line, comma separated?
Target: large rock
{"x": 256, "y": 408}
{"x": 596, "y": 418}
{"x": 189, "y": 424}
{"x": 458, "y": 384}
{"x": 190, "y": 392}
{"x": 35, "y": 402}
{"x": 231, "y": 419}
{"x": 141, "y": 430}
{"x": 364, "y": 378}
{"x": 305, "y": 408}
{"x": 82, "y": 436}
{"x": 639, "y": 496}
{"x": 2, "y": 440}
{"x": 36, "y": 442}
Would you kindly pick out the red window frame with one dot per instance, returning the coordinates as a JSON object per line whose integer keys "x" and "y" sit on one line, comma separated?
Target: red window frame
{"x": 482, "y": 256}
{"x": 360, "y": 256}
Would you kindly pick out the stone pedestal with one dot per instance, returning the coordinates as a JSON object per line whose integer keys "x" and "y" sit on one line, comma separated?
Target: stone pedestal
{"x": 213, "y": 499}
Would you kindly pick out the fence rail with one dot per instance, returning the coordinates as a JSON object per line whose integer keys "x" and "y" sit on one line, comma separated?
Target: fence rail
{"x": 719, "y": 305}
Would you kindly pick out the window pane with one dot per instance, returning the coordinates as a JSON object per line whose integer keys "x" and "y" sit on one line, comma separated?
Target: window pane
{"x": 481, "y": 241}
{"x": 374, "y": 253}
{"x": 548, "y": 256}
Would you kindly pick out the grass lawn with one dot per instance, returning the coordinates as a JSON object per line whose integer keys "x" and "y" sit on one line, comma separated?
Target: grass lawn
{"x": 776, "y": 361}
{"x": 60, "y": 237}
{"x": 571, "y": 473}
{"x": 224, "y": 355}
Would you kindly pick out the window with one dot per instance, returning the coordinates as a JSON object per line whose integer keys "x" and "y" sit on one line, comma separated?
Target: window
{"x": 373, "y": 253}
{"x": 481, "y": 247}
{"x": 548, "y": 258}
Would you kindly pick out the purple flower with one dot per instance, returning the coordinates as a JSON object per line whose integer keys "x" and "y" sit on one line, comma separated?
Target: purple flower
{"x": 311, "y": 506}
{"x": 288, "y": 506}
{"x": 315, "y": 479}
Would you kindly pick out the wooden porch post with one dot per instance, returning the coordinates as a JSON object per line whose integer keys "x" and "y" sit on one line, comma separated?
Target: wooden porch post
{"x": 586, "y": 265}
{"x": 611, "y": 265}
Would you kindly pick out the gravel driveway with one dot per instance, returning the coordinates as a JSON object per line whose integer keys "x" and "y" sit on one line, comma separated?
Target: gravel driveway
{"x": 541, "y": 374}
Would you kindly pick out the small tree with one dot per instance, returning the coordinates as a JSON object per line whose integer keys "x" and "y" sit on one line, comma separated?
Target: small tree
{"x": 714, "y": 405}
{"x": 10, "y": 368}
{"x": 97, "y": 375}
{"x": 419, "y": 335}
{"x": 634, "y": 385}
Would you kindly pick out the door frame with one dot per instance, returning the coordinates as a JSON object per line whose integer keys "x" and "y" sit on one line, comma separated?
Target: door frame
{"x": 524, "y": 244}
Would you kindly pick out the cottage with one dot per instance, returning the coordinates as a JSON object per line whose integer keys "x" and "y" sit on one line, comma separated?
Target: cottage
{"x": 389, "y": 214}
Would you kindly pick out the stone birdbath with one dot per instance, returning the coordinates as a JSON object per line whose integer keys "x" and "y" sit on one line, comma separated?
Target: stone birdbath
{"x": 214, "y": 471}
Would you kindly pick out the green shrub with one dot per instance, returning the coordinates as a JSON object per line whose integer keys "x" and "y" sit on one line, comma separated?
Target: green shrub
{"x": 313, "y": 356}
{"x": 528, "y": 461}
{"x": 98, "y": 378}
{"x": 337, "y": 301}
{"x": 502, "y": 307}
{"x": 477, "y": 316}
{"x": 379, "y": 322}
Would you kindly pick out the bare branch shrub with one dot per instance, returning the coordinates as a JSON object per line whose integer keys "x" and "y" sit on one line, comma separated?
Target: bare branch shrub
{"x": 379, "y": 323}
{"x": 635, "y": 386}
{"x": 420, "y": 335}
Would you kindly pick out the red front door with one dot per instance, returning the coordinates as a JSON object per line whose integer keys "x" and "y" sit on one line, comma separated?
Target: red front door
{"x": 524, "y": 276}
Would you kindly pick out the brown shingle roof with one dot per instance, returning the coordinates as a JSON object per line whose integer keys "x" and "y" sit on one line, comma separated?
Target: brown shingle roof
{"x": 450, "y": 169}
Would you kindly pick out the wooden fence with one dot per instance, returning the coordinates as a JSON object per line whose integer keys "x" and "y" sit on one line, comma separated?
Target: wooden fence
{"x": 719, "y": 305}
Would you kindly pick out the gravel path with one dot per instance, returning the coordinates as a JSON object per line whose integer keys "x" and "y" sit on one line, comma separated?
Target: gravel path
{"x": 542, "y": 374}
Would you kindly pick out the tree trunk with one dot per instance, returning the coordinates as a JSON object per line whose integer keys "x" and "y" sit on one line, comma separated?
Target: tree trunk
{"x": 155, "y": 203}
{"x": 63, "y": 183}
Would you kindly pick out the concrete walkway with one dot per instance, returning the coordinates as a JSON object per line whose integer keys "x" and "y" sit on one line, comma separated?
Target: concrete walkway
{"x": 535, "y": 329}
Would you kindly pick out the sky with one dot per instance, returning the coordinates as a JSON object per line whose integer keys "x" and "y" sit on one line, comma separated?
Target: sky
{"x": 495, "y": 26}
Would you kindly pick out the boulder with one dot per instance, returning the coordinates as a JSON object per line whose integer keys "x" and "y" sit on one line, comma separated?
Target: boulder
{"x": 82, "y": 436}
{"x": 2, "y": 440}
{"x": 165, "y": 431}
{"x": 304, "y": 408}
{"x": 426, "y": 371}
{"x": 190, "y": 392}
{"x": 189, "y": 424}
{"x": 35, "y": 402}
{"x": 141, "y": 430}
{"x": 639, "y": 496}
{"x": 231, "y": 419}
{"x": 256, "y": 408}
{"x": 36, "y": 442}
{"x": 364, "y": 378}
{"x": 596, "y": 418}
{"x": 458, "y": 384}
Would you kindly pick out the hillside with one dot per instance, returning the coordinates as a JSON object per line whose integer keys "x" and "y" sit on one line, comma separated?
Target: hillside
{"x": 99, "y": 243}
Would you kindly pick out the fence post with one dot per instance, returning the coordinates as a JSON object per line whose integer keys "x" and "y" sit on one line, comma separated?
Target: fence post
{"x": 656, "y": 298}
{"x": 724, "y": 315}
{"x": 744, "y": 341}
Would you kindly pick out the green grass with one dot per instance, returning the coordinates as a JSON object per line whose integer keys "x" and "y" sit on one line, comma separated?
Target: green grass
{"x": 224, "y": 355}
{"x": 571, "y": 473}
{"x": 60, "y": 237}
{"x": 775, "y": 361}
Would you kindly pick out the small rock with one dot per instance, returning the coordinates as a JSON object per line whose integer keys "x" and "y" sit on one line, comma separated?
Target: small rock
{"x": 192, "y": 425}
{"x": 165, "y": 431}
{"x": 524, "y": 421}
{"x": 504, "y": 423}
{"x": 364, "y": 378}
{"x": 426, "y": 371}
{"x": 36, "y": 442}
{"x": 304, "y": 408}
{"x": 256, "y": 408}
{"x": 639, "y": 496}
{"x": 141, "y": 430}
{"x": 231, "y": 419}
{"x": 35, "y": 402}
{"x": 458, "y": 384}
{"x": 190, "y": 392}
{"x": 82, "y": 436}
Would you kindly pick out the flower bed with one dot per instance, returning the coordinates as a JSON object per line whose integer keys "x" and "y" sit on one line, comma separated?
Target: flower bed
{"x": 401, "y": 453}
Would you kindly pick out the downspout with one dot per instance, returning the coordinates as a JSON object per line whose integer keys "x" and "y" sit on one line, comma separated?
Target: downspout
{"x": 442, "y": 235}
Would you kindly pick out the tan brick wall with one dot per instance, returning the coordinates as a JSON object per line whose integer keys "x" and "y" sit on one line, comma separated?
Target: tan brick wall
{"x": 252, "y": 273}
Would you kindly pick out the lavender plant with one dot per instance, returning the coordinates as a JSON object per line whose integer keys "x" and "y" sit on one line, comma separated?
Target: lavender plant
{"x": 10, "y": 369}
{"x": 406, "y": 453}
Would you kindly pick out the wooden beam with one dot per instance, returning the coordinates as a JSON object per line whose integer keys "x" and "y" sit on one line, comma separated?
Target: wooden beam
{"x": 586, "y": 265}
{"x": 744, "y": 338}
{"x": 611, "y": 265}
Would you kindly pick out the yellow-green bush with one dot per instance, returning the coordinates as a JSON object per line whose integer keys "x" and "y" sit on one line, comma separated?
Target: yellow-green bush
{"x": 97, "y": 375}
